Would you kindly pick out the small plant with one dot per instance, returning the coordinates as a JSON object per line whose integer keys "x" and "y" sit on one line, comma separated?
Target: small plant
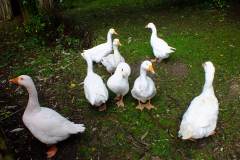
{"x": 67, "y": 41}
{"x": 220, "y": 3}
{"x": 35, "y": 25}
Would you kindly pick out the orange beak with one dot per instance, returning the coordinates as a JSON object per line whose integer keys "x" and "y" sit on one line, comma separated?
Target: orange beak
{"x": 150, "y": 69}
{"x": 115, "y": 33}
{"x": 14, "y": 80}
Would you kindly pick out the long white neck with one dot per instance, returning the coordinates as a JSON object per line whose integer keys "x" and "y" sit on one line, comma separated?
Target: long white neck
{"x": 116, "y": 51}
{"x": 143, "y": 73}
{"x": 89, "y": 66}
{"x": 33, "y": 104}
{"x": 109, "y": 38}
{"x": 154, "y": 32}
{"x": 208, "y": 86}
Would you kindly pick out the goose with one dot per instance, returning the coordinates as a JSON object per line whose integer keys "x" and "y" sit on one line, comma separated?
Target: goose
{"x": 118, "y": 82}
{"x": 144, "y": 88}
{"x": 200, "y": 119}
{"x": 112, "y": 60}
{"x": 45, "y": 124}
{"x": 161, "y": 49}
{"x": 94, "y": 88}
{"x": 101, "y": 50}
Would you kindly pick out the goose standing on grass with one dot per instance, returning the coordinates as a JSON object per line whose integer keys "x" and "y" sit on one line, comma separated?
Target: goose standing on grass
{"x": 98, "y": 52}
{"x": 118, "y": 82}
{"x": 200, "y": 119}
{"x": 144, "y": 88}
{"x": 45, "y": 124}
{"x": 161, "y": 49}
{"x": 94, "y": 88}
{"x": 112, "y": 60}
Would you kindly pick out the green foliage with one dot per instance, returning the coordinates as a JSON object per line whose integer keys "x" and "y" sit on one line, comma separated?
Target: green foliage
{"x": 220, "y": 3}
{"x": 66, "y": 41}
{"x": 107, "y": 4}
{"x": 35, "y": 25}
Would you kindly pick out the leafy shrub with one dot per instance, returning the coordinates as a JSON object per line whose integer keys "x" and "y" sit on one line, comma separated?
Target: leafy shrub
{"x": 35, "y": 25}
{"x": 220, "y": 3}
{"x": 66, "y": 41}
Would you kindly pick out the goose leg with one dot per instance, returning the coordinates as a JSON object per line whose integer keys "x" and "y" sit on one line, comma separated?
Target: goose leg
{"x": 159, "y": 60}
{"x": 193, "y": 140}
{"x": 140, "y": 106}
{"x": 51, "y": 151}
{"x": 120, "y": 102}
{"x": 213, "y": 132}
{"x": 117, "y": 98}
{"x": 103, "y": 107}
{"x": 154, "y": 60}
{"x": 149, "y": 106}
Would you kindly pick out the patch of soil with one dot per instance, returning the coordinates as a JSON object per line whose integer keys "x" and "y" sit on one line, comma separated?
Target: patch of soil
{"x": 177, "y": 69}
{"x": 234, "y": 88}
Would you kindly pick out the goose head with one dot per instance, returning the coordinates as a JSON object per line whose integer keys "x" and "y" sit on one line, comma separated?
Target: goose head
{"x": 147, "y": 66}
{"x": 23, "y": 80}
{"x": 116, "y": 42}
{"x": 150, "y": 25}
{"x": 112, "y": 31}
{"x": 124, "y": 69}
{"x": 83, "y": 54}
{"x": 209, "y": 67}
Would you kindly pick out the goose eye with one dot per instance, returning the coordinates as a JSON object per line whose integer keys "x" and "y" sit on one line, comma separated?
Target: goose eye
{"x": 21, "y": 78}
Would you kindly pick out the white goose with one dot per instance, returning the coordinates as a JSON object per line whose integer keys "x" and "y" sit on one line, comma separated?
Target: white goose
{"x": 200, "y": 119}
{"x": 118, "y": 82}
{"x": 112, "y": 60}
{"x": 144, "y": 88}
{"x": 101, "y": 50}
{"x": 45, "y": 124}
{"x": 161, "y": 49}
{"x": 94, "y": 88}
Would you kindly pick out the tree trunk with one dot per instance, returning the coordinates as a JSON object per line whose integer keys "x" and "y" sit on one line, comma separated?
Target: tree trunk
{"x": 45, "y": 4}
{"x": 5, "y": 10}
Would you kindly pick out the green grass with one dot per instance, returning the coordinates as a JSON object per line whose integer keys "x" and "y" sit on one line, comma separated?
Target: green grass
{"x": 198, "y": 34}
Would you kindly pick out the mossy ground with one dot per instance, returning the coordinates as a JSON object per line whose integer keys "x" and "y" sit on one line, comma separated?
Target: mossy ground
{"x": 198, "y": 35}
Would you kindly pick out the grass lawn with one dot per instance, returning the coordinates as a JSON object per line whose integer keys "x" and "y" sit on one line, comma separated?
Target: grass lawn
{"x": 198, "y": 35}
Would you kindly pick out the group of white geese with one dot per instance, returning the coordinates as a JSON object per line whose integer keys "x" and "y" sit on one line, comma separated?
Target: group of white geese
{"x": 50, "y": 127}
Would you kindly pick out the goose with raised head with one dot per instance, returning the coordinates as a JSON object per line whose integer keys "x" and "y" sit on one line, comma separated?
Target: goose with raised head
{"x": 144, "y": 88}
{"x": 161, "y": 49}
{"x": 45, "y": 124}
{"x": 98, "y": 52}
{"x": 94, "y": 88}
{"x": 200, "y": 119}
{"x": 111, "y": 61}
{"x": 118, "y": 82}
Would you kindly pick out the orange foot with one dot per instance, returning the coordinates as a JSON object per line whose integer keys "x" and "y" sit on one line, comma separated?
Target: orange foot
{"x": 120, "y": 102}
{"x": 52, "y": 151}
{"x": 149, "y": 106}
{"x": 140, "y": 106}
